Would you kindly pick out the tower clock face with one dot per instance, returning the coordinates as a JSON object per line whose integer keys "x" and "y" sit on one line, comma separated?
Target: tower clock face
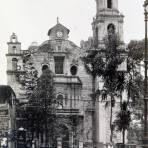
{"x": 59, "y": 34}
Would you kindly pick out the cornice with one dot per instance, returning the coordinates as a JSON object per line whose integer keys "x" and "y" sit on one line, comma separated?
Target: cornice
{"x": 14, "y": 72}
{"x": 14, "y": 54}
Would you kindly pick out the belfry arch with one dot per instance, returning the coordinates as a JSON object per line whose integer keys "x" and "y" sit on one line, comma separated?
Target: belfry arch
{"x": 109, "y": 4}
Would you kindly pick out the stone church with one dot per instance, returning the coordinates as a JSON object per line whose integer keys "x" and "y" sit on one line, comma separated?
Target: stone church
{"x": 72, "y": 83}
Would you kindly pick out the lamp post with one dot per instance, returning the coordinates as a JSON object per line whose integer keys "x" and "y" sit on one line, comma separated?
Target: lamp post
{"x": 145, "y": 133}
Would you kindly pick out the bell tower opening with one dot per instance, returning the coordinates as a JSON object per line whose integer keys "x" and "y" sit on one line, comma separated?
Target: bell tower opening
{"x": 111, "y": 28}
{"x": 109, "y": 4}
{"x": 14, "y": 64}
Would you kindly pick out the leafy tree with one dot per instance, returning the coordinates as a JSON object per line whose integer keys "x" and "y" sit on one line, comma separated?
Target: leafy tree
{"x": 39, "y": 113}
{"x": 136, "y": 50}
{"x": 113, "y": 79}
{"x": 44, "y": 97}
{"x": 40, "y": 109}
{"x": 116, "y": 82}
{"x": 33, "y": 116}
{"x": 94, "y": 66}
{"x": 135, "y": 80}
{"x": 104, "y": 63}
{"x": 123, "y": 119}
{"x": 28, "y": 78}
{"x": 135, "y": 87}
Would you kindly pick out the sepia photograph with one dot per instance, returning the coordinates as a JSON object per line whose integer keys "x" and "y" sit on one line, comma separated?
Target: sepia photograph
{"x": 73, "y": 74}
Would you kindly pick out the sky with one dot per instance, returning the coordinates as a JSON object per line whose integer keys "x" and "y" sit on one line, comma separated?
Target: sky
{"x": 31, "y": 20}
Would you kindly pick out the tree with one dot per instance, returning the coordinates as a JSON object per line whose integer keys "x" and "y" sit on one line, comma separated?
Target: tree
{"x": 135, "y": 81}
{"x": 94, "y": 66}
{"x": 135, "y": 87}
{"x": 104, "y": 63}
{"x": 135, "y": 58}
{"x": 39, "y": 113}
{"x": 123, "y": 119}
{"x": 136, "y": 50}
{"x": 113, "y": 79}
{"x": 44, "y": 96}
{"x": 29, "y": 77}
{"x": 116, "y": 82}
{"x": 34, "y": 117}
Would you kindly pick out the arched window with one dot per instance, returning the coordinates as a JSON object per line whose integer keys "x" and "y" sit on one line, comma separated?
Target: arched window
{"x": 109, "y": 4}
{"x": 14, "y": 49}
{"x": 14, "y": 64}
{"x": 111, "y": 28}
{"x": 60, "y": 100}
{"x": 13, "y": 39}
{"x": 73, "y": 70}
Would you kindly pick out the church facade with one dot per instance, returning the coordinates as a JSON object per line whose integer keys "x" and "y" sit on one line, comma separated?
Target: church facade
{"x": 72, "y": 83}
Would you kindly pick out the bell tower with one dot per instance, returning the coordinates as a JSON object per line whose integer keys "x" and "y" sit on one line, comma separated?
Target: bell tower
{"x": 14, "y": 53}
{"x": 104, "y": 4}
{"x": 108, "y": 18}
{"x": 14, "y": 63}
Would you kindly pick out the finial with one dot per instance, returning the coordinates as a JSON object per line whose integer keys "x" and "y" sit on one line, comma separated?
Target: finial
{"x": 13, "y": 33}
{"x": 13, "y": 37}
{"x": 57, "y": 20}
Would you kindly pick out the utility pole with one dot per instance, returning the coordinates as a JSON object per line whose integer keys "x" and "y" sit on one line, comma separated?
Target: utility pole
{"x": 145, "y": 133}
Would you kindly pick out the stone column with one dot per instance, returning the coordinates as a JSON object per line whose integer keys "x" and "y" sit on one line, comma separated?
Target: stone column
{"x": 97, "y": 124}
{"x": 70, "y": 139}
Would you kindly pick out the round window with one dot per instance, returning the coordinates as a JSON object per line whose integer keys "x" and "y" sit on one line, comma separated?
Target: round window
{"x": 44, "y": 67}
{"x": 73, "y": 70}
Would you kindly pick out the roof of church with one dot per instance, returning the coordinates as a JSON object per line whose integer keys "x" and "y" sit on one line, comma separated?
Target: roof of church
{"x": 54, "y": 41}
{"x": 58, "y": 26}
{"x": 49, "y": 45}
